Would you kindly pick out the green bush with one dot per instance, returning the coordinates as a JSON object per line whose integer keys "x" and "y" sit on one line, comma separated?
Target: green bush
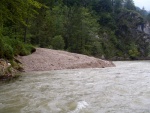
{"x": 97, "y": 49}
{"x": 30, "y": 48}
{"x": 12, "y": 47}
{"x": 21, "y": 49}
{"x": 8, "y": 51}
{"x": 24, "y": 49}
{"x": 27, "y": 49}
{"x": 18, "y": 47}
{"x": 58, "y": 42}
{"x": 1, "y": 47}
{"x": 133, "y": 51}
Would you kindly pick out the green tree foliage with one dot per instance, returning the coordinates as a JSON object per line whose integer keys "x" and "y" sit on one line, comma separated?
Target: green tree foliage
{"x": 1, "y": 48}
{"x": 133, "y": 52}
{"x": 93, "y": 27}
{"x": 11, "y": 47}
{"x": 106, "y": 19}
{"x": 81, "y": 26}
{"x": 49, "y": 24}
{"x": 103, "y": 6}
{"x": 8, "y": 51}
{"x": 97, "y": 49}
{"x": 118, "y": 4}
{"x": 13, "y": 15}
{"x": 58, "y": 42}
{"x": 129, "y": 4}
{"x": 17, "y": 10}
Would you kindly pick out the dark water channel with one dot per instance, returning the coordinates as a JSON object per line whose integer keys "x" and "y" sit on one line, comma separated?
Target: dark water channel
{"x": 121, "y": 89}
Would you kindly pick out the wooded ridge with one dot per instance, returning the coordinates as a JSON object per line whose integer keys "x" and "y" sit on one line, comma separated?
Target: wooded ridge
{"x": 110, "y": 29}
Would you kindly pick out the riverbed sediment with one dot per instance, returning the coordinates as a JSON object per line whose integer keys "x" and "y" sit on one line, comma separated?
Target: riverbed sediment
{"x": 48, "y": 59}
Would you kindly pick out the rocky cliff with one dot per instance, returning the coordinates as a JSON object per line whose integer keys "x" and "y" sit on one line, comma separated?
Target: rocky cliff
{"x": 135, "y": 31}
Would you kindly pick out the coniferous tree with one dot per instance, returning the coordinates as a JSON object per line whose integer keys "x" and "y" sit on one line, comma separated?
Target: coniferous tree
{"x": 103, "y": 6}
{"x": 118, "y": 5}
{"x": 129, "y": 4}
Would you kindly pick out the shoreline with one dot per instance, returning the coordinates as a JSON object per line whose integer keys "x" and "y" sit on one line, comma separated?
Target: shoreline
{"x": 47, "y": 59}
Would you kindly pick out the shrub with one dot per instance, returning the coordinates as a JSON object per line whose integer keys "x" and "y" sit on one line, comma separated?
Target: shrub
{"x": 97, "y": 49}
{"x": 12, "y": 47}
{"x": 18, "y": 47}
{"x": 21, "y": 49}
{"x": 133, "y": 51}
{"x": 58, "y": 42}
{"x": 1, "y": 47}
{"x": 27, "y": 49}
{"x": 24, "y": 49}
{"x": 8, "y": 51}
{"x": 30, "y": 48}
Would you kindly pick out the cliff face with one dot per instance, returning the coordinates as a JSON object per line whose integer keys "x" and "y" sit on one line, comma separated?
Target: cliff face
{"x": 143, "y": 41}
{"x": 134, "y": 31}
{"x": 143, "y": 38}
{"x": 144, "y": 28}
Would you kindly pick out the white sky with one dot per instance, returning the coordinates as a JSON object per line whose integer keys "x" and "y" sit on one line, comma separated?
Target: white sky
{"x": 141, "y": 3}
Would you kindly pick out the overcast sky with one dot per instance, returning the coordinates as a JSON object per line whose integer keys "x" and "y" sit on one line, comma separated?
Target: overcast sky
{"x": 141, "y": 3}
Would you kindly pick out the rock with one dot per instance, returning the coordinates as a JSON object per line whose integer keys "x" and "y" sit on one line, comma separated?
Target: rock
{"x": 6, "y": 70}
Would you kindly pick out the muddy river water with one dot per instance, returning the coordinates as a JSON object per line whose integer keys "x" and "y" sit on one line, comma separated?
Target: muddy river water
{"x": 121, "y": 89}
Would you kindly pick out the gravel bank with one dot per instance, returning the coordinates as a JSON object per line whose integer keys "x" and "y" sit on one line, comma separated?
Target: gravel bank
{"x": 48, "y": 59}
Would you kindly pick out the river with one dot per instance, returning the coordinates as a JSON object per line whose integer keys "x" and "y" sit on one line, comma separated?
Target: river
{"x": 121, "y": 89}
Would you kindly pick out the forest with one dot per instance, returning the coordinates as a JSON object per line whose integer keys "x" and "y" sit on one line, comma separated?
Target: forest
{"x": 102, "y": 28}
